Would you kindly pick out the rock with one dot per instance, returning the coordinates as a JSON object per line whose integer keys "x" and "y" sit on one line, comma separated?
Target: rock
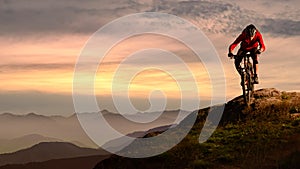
{"x": 269, "y": 92}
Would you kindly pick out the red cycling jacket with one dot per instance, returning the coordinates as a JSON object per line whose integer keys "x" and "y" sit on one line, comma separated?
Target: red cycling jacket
{"x": 248, "y": 44}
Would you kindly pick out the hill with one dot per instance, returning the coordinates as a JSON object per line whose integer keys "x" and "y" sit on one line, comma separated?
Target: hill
{"x": 12, "y": 145}
{"x": 46, "y": 151}
{"x": 264, "y": 135}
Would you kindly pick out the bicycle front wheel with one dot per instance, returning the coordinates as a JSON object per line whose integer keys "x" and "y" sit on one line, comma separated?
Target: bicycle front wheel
{"x": 245, "y": 88}
{"x": 248, "y": 88}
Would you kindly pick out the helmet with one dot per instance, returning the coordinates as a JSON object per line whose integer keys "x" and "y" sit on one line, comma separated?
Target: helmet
{"x": 250, "y": 30}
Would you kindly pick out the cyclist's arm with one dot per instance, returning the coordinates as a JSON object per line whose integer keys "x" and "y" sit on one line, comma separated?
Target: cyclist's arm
{"x": 261, "y": 42}
{"x": 236, "y": 42}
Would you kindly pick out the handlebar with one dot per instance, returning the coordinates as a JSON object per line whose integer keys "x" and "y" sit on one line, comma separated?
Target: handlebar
{"x": 246, "y": 55}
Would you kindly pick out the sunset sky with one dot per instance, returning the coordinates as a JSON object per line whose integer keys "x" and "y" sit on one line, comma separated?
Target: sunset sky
{"x": 40, "y": 42}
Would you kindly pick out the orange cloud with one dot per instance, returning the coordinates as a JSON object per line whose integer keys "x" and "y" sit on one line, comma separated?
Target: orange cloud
{"x": 47, "y": 65}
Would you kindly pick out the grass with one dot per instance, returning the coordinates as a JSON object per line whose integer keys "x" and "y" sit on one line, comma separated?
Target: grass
{"x": 252, "y": 142}
{"x": 291, "y": 161}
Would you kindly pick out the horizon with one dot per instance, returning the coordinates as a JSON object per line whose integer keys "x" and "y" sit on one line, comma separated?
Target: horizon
{"x": 104, "y": 110}
{"x": 39, "y": 54}
{"x": 117, "y": 113}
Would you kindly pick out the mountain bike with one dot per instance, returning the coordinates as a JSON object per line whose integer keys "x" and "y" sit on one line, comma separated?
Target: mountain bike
{"x": 247, "y": 77}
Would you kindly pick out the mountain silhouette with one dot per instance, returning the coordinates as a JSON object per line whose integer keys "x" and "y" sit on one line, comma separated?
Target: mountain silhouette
{"x": 46, "y": 151}
{"x": 117, "y": 144}
{"x": 247, "y": 137}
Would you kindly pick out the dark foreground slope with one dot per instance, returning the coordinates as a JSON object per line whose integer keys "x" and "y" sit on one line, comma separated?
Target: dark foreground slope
{"x": 69, "y": 163}
{"x": 264, "y": 135}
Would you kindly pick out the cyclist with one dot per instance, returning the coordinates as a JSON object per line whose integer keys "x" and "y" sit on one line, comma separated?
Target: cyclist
{"x": 251, "y": 41}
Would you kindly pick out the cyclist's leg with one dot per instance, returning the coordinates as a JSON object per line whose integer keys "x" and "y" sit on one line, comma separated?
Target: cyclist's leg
{"x": 238, "y": 60}
{"x": 254, "y": 57}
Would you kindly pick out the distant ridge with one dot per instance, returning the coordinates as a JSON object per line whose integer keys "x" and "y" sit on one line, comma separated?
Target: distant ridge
{"x": 12, "y": 145}
{"x": 10, "y": 116}
{"x": 68, "y": 129}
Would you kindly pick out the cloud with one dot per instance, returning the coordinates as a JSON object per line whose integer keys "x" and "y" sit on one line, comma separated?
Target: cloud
{"x": 26, "y": 67}
{"x": 52, "y": 16}
{"x": 47, "y": 64}
{"x": 281, "y": 27}
{"x": 24, "y": 22}
{"x": 34, "y": 17}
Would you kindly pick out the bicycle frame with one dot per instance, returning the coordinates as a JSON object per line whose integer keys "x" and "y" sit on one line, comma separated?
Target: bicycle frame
{"x": 247, "y": 81}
